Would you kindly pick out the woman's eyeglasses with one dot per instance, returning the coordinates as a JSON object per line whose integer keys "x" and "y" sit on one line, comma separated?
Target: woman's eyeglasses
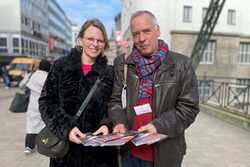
{"x": 91, "y": 40}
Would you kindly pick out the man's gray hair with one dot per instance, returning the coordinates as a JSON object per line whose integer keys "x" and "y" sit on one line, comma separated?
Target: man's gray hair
{"x": 140, "y": 12}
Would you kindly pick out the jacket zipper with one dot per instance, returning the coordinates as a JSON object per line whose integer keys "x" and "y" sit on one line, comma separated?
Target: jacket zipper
{"x": 156, "y": 85}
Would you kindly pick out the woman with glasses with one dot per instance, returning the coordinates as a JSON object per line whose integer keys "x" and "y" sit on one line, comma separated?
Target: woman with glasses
{"x": 68, "y": 83}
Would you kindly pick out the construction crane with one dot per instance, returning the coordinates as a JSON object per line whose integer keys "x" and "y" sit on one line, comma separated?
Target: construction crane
{"x": 209, "y": 22}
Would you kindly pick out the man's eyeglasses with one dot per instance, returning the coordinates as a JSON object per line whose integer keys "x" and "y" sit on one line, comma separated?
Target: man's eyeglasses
{"x": 91, "y": 40}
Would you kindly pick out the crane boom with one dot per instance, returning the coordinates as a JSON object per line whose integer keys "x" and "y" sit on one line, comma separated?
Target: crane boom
{"x": 206, "y": 30}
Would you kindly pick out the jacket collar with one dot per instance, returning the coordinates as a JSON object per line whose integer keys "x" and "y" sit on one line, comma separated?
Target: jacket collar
{"x": 167, "y": 62}
{"x": 75, "y": 64}
{"x": 130, "y": 60}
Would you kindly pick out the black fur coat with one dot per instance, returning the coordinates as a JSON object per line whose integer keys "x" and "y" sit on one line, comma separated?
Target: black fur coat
{"x": 63, "y": 93}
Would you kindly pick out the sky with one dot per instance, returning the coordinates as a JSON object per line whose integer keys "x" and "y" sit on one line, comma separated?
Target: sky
{"x": 78, "y": 11}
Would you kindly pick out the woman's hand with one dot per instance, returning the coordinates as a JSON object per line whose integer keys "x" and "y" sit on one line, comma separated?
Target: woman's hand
{"x": 103, "y": 130}
{"x": 119, "y": 128}
{"x": 74, "y": 134}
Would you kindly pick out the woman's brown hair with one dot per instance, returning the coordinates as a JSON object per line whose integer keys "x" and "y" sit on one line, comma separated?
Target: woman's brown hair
{"x": 98, "y": 24}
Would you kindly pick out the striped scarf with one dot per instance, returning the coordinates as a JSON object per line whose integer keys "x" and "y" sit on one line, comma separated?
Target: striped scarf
{"x": 145, "y": 68}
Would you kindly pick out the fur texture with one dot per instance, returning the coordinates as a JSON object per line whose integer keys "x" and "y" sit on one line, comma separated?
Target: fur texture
{"x": 65, "y": 89}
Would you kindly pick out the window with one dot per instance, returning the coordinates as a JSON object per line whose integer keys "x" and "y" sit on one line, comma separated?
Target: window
{"x": 26, "y": 47}
{"x": 243, "y": 82}
{"x": 36, "y": 50}
{"x": 43, "y": 50}
{"x": 187, "y": 14}
{"x": 22, "y": 19}
{"x": 204, "y": 12}
{"x": 205, "y": 88}
{"x": 15, "y": 45}
{"x": 231, "y": 17}
{"x": 3, "y": 42}
{"x": 208, "y": 54}
{"x": 3, "y": 45}
{"x": 30, "y": 47}
{"x": 3, "y": 51}
{"x": 16, "y": 42}
{"x": 22, "y": 44}
{"x": 244, "y": 53}
{"x": 33, "y": 48}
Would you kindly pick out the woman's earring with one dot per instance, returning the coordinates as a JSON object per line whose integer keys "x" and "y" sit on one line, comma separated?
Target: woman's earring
{"x": 79, "y": 48}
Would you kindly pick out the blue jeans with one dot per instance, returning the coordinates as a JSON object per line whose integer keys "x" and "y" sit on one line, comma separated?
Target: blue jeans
{"x": 132, "y": 161}
{"x": 6, "y": 80}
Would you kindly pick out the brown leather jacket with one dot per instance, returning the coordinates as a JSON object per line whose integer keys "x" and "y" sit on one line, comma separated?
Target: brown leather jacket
{"x": 175, "y": 103}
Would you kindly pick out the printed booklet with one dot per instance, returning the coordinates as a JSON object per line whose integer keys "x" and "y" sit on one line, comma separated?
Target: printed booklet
{"x": 148, "y": 138}
{"x": 117, "y": 139}
{"x": 113, "y": 139}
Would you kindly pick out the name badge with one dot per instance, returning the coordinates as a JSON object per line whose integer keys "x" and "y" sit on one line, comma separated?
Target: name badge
{"x": 142, "y": 109}
{"x": 124, "y": 97}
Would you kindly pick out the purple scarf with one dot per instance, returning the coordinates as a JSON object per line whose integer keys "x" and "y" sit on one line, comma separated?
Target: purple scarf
{"x": 145, "y": 67}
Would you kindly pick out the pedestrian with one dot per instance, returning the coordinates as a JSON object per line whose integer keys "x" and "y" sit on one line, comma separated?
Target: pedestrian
{"x": 6, "y": 76}
{"x": 34, "y": 122}
{"x": 163, "y": 84}
{"x": 67, "y": 86}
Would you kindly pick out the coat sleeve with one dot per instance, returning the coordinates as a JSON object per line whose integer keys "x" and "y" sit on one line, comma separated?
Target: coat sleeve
{"x": 116, "y": 112}
{"x": 52, "y": 113}
{"x": 182, "y": 115}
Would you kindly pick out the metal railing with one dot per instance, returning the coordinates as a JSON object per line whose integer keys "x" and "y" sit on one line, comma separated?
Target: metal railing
{"x": 227, "y": 95}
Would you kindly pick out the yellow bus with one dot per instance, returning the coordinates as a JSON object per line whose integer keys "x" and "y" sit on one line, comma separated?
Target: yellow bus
{"x": 20, "y": 66}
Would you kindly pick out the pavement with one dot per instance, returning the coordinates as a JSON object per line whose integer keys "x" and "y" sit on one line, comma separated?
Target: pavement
{"x": 211, "y": 142}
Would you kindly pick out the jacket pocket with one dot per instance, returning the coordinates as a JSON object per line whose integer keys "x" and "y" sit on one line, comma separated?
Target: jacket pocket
{"x": 165, "y": 95}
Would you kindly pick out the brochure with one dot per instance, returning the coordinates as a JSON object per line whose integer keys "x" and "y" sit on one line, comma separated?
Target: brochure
{"x": 117, "y": 139}
{"x": 118, "y": 142}
{"x": 90, "y": 140}
{"x": 109, "y": 137}
{"x": 148, "y": 138}
{"x": 113, "y": 139}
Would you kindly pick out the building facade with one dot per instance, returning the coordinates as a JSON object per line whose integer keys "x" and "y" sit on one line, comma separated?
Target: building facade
{"x": 33, "y": 28}
{"x": 227, "y": 55}
{"x": 59, "y": 31}
{"x": 24, "y": 28}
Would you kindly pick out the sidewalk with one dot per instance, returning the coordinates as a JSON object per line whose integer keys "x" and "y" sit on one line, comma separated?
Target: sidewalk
{"x": 210, "y": 141}
{"x": 13, "y": 134}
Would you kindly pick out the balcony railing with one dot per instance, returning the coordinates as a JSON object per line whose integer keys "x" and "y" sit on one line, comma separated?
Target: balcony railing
{"x": 227, "y": 95}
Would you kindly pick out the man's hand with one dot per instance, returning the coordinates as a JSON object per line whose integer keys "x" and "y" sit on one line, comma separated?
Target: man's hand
{"x": 74, "y": 134}
{"x": 103, "y": 130}
{"x": 119, "y": 128}
{"x": 149, "y": 128}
